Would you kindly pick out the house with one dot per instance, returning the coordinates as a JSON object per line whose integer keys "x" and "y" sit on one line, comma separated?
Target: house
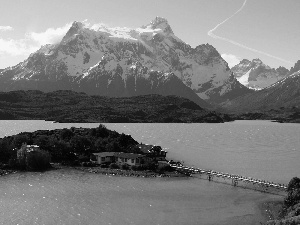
{"x": 119, "y": 158}
{"x": 130, "y": 159}
{"x": 104, "y": 157}
{"x": 152, "y": 152}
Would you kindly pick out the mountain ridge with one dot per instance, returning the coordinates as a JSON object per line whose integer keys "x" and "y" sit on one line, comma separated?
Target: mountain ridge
{"x": 282, "y": 97}
{"x": 257, "y": 75}
{"x": 154, "y": 46}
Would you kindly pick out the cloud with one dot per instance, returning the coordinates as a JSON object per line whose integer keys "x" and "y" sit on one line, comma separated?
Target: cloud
{"x": 16, "y": 47}
{"x": 32, "y": 41}
{"x": 6, "y": 28}
{"x": 211, "y": 34}
{"x": 50, "y": 36}
{"x": 232, "y": 60}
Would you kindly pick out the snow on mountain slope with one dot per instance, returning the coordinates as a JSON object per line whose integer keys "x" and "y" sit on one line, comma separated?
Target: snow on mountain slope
{"x": 256, "y": 75}
{"x": 283, "y": 93}
{"x": 154, "y": 46}
{"x": 244, "y": 79}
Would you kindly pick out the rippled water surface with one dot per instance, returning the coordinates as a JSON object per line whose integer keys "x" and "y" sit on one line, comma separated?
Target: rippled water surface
{"x": 259, "y": 149}
{"x": 74, "y": 197}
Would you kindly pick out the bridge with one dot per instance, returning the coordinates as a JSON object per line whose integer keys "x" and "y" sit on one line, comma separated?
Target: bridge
{"x": 232, "y": 179}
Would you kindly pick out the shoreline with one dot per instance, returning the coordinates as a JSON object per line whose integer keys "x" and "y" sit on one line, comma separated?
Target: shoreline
{"x": 128, "y": 173}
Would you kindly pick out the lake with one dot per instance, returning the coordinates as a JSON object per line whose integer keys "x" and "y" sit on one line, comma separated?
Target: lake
{"x": 260, "y": 149}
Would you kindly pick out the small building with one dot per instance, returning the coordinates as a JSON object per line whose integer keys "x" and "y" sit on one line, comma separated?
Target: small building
{"x": 130, "y": 159}
{"x": 152, "y": 152}
{"x": 120, "y": 158}
{"x": 104, "y": 157}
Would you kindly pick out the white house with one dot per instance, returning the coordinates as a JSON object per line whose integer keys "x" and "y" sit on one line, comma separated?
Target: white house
{"x": 129, "y": 158}
{"x": 105, "y": 157}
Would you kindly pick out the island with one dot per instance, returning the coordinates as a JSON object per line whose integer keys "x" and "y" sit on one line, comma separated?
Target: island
{"x": 98, "y": 148}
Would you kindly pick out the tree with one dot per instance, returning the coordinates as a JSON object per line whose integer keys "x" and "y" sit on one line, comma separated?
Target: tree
{"x": 293, "y": 190}
{"x": 19, "y": 140}
{"x": 66, "y": 134}
{"x": 80, "y": 144}
{"x": 5, "y": 150}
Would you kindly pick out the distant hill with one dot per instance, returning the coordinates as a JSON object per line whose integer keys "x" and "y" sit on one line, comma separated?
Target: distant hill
{"x": 70, "y": 106}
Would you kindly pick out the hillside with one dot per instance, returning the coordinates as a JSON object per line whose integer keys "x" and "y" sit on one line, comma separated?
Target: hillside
{"x": 69, "y": 106}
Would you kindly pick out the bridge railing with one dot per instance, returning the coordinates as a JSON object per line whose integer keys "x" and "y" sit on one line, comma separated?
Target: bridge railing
{"x": 232, "y": 179}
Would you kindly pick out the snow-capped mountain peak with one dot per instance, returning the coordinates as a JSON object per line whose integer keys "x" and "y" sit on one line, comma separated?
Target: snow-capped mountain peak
{"x": 161, "y": 23}
{"x": 255, "y": 74}
{"x": 101, "y": 53}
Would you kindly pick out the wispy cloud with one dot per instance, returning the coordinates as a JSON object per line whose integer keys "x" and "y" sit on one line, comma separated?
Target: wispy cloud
{"x": 211, "y": 34}
{"x": 32, "y": 41}
{"x": 50, "y": 36}
{"x": 232, "y": 60}
{"x": 6, "y": 28}
{"x": 16, "y": 47}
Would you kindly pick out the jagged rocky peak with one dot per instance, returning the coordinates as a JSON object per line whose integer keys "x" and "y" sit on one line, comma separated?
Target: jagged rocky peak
{"x": 161, "y": 23}
{"x": 74, "y": 29}
{"x": 257, "y": 61}
{"x": 282, "y": 71}
{"x": 295, "y": 68}
{"x": 245, "y": 61}
{"x": 207, "y": 49}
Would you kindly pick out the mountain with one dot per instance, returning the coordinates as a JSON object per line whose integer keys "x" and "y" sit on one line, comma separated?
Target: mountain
{"x": 280, "y": 102}
{"x": 125, "y": 62}
{"x": 295, "y": 68}
{"x": 257, "y": 75}
{"x": 284, "y": 93}
{"x": 69, "y": 106}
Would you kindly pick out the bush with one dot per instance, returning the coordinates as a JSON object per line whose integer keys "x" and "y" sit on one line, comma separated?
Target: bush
{"x": 84, "y": 158}
{"x": 88, "y": 164}
{"x": 104, "y": 165}
{"x": 135, "y": 168}
{"x": 114, "y": 166}
{"x": 14, "y": 164}
{"x": 293, "y": 190}
{"x": 166, "y": 169}
{"x": 125, "y": 167}
{"x": 37, "y": 160}
{"x": 141, "y": 168}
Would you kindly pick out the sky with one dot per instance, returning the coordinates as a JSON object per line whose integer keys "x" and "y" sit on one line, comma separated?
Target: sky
{"x": 238, "y": 29}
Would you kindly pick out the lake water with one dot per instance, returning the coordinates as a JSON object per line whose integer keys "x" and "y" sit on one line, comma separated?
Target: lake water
{"x": 260, "y": 149}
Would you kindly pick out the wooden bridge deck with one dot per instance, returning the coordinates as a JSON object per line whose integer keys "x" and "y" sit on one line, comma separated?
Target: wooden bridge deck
{"x": 232, "y": 179}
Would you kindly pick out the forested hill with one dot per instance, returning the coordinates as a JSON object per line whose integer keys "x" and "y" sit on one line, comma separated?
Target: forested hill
{"x": 70, "y": 106}
{"x": 67, "y": 144}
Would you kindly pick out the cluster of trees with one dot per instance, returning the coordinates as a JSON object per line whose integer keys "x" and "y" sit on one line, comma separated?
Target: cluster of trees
{"x": 68, "y": 145}
{"x": 293, "y": 191}
{"x": 290, "y": 214}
